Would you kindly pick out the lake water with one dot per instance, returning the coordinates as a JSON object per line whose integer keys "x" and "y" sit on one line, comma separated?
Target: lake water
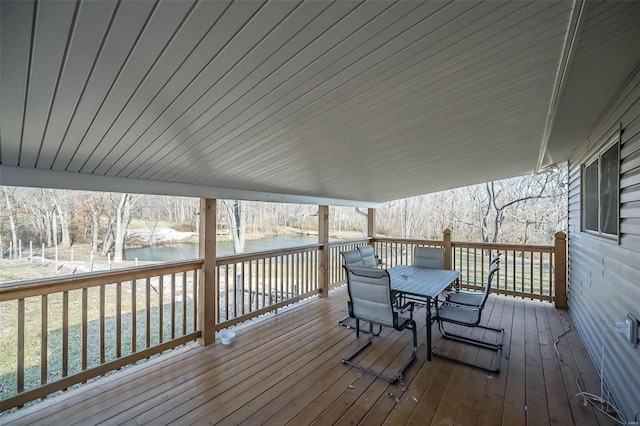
{"x": 183, "y": 251}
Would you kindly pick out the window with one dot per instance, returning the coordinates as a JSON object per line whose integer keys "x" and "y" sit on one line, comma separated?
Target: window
{"x": 600, "y": 194}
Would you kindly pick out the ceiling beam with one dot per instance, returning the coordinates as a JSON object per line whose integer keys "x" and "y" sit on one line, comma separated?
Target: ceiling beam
{"x": 38, "y": 178}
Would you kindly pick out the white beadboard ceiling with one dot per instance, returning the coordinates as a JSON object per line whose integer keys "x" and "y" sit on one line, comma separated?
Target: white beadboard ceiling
{"x": 346, "y": 102}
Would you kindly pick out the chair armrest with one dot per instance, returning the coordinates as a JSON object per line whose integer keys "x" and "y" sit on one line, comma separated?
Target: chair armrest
{"x": 409, "y": 306}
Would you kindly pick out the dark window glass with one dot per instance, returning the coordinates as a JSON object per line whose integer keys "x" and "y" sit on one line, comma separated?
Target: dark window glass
{"x": 590, "y": 197}
{"x": 609, "y": 191}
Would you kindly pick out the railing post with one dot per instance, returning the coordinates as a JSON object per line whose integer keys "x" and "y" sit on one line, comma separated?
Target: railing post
{"x": 448, "y": 253}
{"x": 323, "y": 261}
{"x": 207, "y": 297}
{"x": 560, "y": 276}
{"x": 371, "y": 224}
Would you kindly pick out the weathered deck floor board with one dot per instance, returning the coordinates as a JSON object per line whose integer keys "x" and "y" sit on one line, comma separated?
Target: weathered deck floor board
{"x": 286, "y": 369}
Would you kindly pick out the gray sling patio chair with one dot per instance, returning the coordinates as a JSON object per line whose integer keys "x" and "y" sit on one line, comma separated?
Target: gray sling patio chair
{"x": 428, "y": 257}
{"x": 372, "y": 301}
{"x": 352, "y": 258}
{"x": 369, "y": 258}
{"x": 470, "y": 316}
{"x": 471, "y": 298}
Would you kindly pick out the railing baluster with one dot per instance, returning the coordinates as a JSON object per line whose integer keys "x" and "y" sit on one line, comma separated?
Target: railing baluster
{"x": 287, "y": 277}
{"x": 118, "y": 319}
{"x": 251, "y": 286}
{"x": 173, "y": 306}
{"x": 475, "y": 266}
{"x": 307, "y": 279}
{"x": 134, "y": 316}
{"x": 506, "y": 272}
{"x": 85, "y": 297}
{"x": 513, "y": 270}
{"x": 20, "y": 353}
{"x": 278, "y": 278}
{"x": 102, "y": 324}
{"x": 242, "y": 287}
{"x": 541, "y": 272}
{"x": 524, "y": 281}
{"x": 65, "y": 334}
{"x": 467, "y": 274}
{"x": 44, "y": 338}
{"x": 271, "y": 281}
{"x": 482, "y": 271}
{"x": 147, "y": 314}
{"x": 184, "y": 303}
{"x": 194, "y": 288}
{"x": 226, "y": 293}
{"x": 264, "y": 281}
{"x": 161, "y": 308}
{"x": 551, "y": 269}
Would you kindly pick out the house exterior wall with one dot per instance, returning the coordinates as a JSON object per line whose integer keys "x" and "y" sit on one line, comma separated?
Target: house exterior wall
{"x": 604, "y": 274}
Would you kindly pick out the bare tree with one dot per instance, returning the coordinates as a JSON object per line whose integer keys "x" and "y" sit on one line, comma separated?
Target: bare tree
{"x": 60, "y": 201}
{"x": 122, "y": 219}
{"x": 12, "y": 219}
{"x": 237, "y": 215}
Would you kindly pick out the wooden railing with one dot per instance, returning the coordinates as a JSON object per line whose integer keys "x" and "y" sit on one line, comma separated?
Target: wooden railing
{"x": 253, "y": 284}
{"x": 526, "y": 271}
{"x": 67, "y": 330}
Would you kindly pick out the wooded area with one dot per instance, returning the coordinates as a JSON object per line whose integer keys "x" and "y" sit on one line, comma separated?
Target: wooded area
{"x": 526, "y": 210}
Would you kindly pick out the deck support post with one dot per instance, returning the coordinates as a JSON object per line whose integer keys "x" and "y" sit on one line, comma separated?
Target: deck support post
{"x": 371, "y": 224}
{"x": 323, "y": 260}
{"x": 560, "y": 274}
{"x": 207, "y": 297}
{"x": 448, "y": 253}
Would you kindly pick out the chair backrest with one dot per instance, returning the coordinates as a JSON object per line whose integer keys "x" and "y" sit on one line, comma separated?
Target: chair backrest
{"x": 370, "y": 294}
{"x": 351, "y": 258}
{"x": 429, "y": 257}
{"x": 368, "y": 256}
{"x": 495, "y": 267}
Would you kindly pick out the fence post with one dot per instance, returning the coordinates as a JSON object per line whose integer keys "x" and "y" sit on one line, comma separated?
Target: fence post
{"x": 207, "y": 295}
{"x": 560, "y": 275}
{"x": 448, "y": 253}
{"x": 323, "y": 261}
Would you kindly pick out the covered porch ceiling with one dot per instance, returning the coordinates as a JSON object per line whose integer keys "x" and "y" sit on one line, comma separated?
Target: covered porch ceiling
{"x": 343, "y": 103}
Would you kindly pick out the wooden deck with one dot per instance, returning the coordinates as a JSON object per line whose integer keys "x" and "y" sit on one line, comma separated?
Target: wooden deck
{"x": 286, "y": 369}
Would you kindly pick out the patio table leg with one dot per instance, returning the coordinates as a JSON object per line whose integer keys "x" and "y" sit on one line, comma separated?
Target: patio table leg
{"x": 428, "y": 329}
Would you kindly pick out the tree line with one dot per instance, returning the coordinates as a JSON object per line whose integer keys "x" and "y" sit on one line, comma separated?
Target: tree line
{"x": 525, "y": 210}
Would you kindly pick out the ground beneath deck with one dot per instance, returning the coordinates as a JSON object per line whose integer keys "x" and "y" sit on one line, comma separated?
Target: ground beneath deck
{"x": 286, "y": 369}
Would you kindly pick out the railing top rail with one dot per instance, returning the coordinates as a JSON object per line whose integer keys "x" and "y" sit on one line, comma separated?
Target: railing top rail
{"x": 340, "y": 243}
{"x": 410, "y": 241}
{"x": 501, "y": 246}
{"x": 235, "y": 258}
{"x": 27, "y": 288}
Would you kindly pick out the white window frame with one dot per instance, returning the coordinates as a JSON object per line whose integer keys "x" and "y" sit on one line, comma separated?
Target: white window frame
{"x": 613, "y": 141}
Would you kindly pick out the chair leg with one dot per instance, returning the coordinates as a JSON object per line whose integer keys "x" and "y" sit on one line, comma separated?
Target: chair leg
{"x": 476, "y": 342}
{"x": 497, "y": 347}
{"x": 343, "y": 324}
{"x": 349, "y": 359}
